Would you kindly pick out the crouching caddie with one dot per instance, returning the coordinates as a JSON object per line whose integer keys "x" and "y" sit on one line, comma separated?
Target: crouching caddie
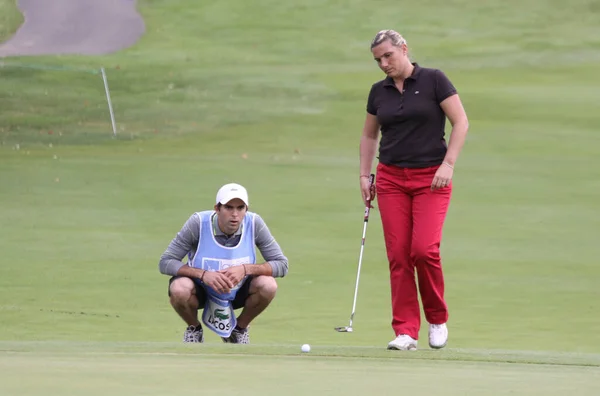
{"x": 221, "y": 274}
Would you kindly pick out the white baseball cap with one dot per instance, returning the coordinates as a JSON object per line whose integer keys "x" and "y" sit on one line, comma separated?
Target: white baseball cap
{"x": 231, "y": 191}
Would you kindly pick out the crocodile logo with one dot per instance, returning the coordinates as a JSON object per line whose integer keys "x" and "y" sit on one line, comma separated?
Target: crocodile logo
{"x": 220, "y": 313}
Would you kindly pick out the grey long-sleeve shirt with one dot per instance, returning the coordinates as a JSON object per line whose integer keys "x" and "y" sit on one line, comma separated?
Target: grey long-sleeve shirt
{"x": 186, "y": 241}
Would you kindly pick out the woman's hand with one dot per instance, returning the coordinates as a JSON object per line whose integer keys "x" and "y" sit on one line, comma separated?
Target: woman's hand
{"x": 368, "y": 190}
{"x": 443, "y": 176}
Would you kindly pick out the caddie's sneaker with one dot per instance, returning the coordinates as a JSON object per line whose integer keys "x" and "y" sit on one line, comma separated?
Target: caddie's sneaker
{"x": 438, "y": 335}
{"x": 403, "y": 342}
{"x": 193, "y": 334}
{"x": 238, "y": 336}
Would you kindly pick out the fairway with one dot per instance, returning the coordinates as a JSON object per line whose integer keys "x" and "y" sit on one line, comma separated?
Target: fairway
{"x": 272, "y": 96}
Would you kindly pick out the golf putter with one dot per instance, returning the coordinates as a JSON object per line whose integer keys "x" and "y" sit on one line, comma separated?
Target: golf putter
{"x": 348, "y": 329}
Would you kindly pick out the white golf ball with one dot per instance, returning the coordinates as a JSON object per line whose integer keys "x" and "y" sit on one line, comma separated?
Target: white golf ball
{"x": 305, "y": 348}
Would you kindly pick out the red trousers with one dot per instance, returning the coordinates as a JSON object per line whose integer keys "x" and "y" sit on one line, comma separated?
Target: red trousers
{"x": 412, "y": 217}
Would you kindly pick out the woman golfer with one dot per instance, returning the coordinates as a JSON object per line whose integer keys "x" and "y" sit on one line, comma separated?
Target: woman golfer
{"x": 413, "y": 182}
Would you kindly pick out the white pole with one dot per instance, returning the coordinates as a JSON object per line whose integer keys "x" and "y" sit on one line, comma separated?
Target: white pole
{"x": 112, "y": 115}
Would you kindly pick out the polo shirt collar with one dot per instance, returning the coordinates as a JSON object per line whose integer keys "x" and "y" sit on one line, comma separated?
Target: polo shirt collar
{"x": 414, "y": 76}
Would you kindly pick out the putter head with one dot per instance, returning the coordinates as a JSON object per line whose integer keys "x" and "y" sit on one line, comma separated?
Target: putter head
{"x": 344, "y": 329}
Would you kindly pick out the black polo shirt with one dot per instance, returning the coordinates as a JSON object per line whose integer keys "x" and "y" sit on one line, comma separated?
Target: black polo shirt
{"x": 412, "y": 122}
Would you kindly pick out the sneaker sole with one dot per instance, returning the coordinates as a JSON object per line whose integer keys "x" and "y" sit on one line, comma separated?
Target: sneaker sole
{"x": 226, "y": 341}
{"x": 437, "y": 346}
{"x": 409, "y": 348}
{"x": 194, "y": 342}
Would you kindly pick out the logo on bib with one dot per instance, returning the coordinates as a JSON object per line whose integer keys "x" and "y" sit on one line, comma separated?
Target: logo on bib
{"x": 220, "y": 319}
{"x": 220, "y": 313}
{"x": 218, "y": 264}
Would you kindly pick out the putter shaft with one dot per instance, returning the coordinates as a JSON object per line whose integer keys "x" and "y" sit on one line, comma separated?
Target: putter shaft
{"x": 362, "y": 246}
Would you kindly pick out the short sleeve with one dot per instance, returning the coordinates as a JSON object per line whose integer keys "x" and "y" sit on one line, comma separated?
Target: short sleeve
{"x": 371, "y": 108}
{"x": 443, "y": 87}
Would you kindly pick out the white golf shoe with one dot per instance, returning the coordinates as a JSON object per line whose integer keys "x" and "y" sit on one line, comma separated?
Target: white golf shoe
{"x": 403, "y": 343}
{"x": 438, "y": 335}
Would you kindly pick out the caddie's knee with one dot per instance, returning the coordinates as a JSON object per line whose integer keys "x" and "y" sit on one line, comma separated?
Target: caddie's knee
{"x": 266, "y": 286}
{"x": 182, "y": 288}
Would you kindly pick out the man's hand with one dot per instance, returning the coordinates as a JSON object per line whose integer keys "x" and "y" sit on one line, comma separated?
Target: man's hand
{"x": 218, "y": 281}
{"x": 234, "y": 274}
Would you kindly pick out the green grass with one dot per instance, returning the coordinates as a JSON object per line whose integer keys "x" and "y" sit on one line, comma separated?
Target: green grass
{"x": 86, "y": 216}
{"x": 10, "y": 18}
{"x": 153, "y": 374}
{"x": 149, "y": 369}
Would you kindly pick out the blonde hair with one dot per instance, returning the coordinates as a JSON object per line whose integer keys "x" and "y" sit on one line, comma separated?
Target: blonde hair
{"x": 393, "y": 36}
